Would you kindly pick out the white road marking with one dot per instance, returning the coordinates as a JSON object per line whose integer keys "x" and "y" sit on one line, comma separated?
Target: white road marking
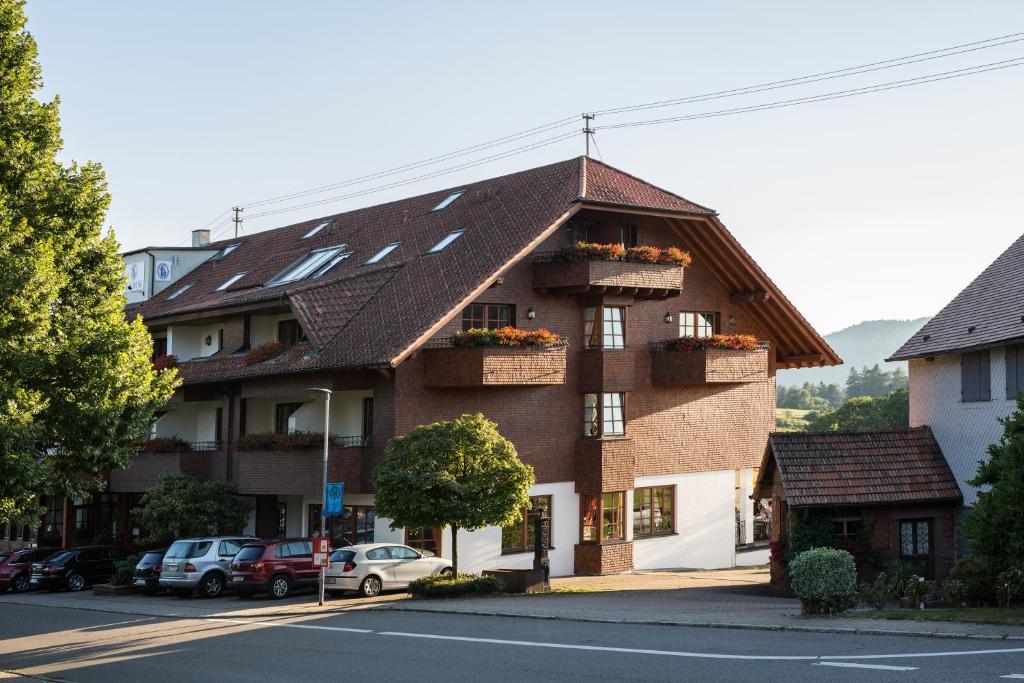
{"x": 1013, "y": 676}
{"x": 851, "y": 665}
{"x": 955, "y": 653}
{"x": 253, "y": 622}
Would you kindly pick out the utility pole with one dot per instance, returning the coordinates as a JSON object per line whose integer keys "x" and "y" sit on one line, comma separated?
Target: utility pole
{"x": 323, "y": 507}
{"x": 587, "y": 131}
{"x": 237, "y": 219}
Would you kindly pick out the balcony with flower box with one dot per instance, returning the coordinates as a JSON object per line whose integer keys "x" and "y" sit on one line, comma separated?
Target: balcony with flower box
{"x": 721, "y": 359}
{"x": 170, "y": 455}
{"x": 495, "y": 358}
{"x": 644, "y": 272}
{"x": 268, "y": 463}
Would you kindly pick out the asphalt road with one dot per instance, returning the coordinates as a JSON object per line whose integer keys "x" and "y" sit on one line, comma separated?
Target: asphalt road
{"x": 85, "y": 645}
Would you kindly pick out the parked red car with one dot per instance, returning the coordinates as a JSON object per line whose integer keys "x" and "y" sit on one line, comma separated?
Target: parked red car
{"x": 275, "y": 567}
{"x": 16, "y": 567}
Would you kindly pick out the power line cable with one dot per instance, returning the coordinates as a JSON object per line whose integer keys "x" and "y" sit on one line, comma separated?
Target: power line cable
{"x": 879, "y": 87}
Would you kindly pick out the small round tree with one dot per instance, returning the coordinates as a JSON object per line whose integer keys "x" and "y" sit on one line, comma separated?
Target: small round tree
{"x": 825, "y": 580}
{"x": 462, "y": 474}
{"x": 180, "y": 506}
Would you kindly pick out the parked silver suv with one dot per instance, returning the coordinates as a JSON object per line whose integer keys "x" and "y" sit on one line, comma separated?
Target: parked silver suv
{"x": 201, "y": 562}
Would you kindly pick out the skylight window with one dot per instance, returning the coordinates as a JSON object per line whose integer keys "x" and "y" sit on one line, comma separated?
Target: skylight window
{"x": 231, "y": 280}
{"x": 225, "y": 251}
{"x": 315, "y": 230}
{"x": 445, "y": 241}
{"x": 314, "y": 264}
{"x": 447, "y": 201}
{"x": 382, "y": 253}
{"x": 180, "y": 291}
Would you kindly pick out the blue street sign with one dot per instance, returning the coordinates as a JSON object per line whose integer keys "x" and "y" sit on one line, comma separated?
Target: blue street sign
{"x": 333, "y": 497}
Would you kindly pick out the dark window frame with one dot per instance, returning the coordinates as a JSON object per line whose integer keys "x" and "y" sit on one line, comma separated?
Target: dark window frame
{"x": 290, "y": 332}
{"x": 488, "y": 316}
{"x": 1014, "y": 371}
{"x": 599, "y": 514}
{"x": 665, "y": 489}
{"x": 525, "y": 524}
{"x": 976, "y": 376}
{"x": 280, "y": 416}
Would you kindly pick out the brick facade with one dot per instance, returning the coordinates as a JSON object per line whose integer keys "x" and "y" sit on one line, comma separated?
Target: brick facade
{"x": 604, "y": 558}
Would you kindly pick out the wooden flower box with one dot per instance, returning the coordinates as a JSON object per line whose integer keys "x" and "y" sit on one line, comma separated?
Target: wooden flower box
{"x": 645, "y": 280}
{"x": 489, "y": 366}
{"x": 708, "y": 366}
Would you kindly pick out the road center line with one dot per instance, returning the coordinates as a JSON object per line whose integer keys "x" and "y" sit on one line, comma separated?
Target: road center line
{"x": 851, "y": 665}
{"x": 253, "y": 622}
{"x": 1013, "y": 676}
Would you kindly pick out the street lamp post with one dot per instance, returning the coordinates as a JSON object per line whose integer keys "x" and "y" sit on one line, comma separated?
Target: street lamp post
{"x": 323, "y": 488}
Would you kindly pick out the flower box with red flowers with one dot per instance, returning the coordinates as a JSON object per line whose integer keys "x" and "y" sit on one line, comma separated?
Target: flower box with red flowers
{"x": 502, "y": 357}
{"x": 644, "y": 271}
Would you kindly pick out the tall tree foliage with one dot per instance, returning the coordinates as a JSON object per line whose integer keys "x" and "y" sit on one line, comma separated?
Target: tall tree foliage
{"x": 462, "y": 474}
{"x": 76, "y": 384}
{"x": 995, "y": 525}
{"x": 891, "y": 411}
{"x": 180, "y": 506}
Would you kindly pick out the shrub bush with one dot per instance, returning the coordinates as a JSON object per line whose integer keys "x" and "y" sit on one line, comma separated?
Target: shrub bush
{"x": 164, "y": 444}
{"x": 438, "y": 586}
{"x": 825, "y": 580}
{"x": 272, "y": 441}
{"x": 978, "y": 578}
{"x": 504, "y": 336}
{"x": 1009, "y": 585}
{"x": 124, "y": 571}
{"x": 955, "y": 592}
{"x": 735, "y": 342}
{"x": 874, "y": 594}
{"x": 263, "y": 352}
{"x": 900, "y": 577}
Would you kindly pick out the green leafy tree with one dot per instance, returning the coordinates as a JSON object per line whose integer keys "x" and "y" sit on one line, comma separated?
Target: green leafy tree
{"x": 180, "y": 506}
{"x": 76, "y": 384}
{"x": 994, "y": 528}
{"x": 462, "y": 474}
{"x": 862, "y": 413}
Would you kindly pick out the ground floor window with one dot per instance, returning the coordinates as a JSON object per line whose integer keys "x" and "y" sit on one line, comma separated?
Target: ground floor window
{"x": 314, "y": 519}
{"x": 282, "y": 520}
{"x": 653, "y": 511}
{"x": 518, "y": 536}
{"x": 847, "y": 526}
{"x": 354, "y": 526}
{"x": 915, "y": 538}
{"x": 762, "y": 520}
{"x": 602, "y": 517}
{"x": 52, "y": 530}
{"x": 428, "y": 540}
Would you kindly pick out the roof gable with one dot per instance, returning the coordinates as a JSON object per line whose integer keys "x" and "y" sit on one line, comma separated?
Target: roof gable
{"x": 987, "y": 312}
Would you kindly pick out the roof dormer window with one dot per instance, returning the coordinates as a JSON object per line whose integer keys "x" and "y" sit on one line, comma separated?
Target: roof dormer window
{"x": 376, "y": 258}
{"x": 447, "y": 201}
{"x": 181, "y": 291}
{"x": 316, "y": 229}
{"x": 445, "y": 241}
{"x": 231, "y": 280}
{"x": 225, "y": 251}
{"x": 314, "y": 264}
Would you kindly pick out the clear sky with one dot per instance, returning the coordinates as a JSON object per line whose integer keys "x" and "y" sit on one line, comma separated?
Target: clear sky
{"x": 881, "y": 206}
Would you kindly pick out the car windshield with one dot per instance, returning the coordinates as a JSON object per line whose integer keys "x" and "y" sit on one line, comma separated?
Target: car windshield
{"x": 59, "y": 558}
{"x": 249, "y": 553}
{"x": 4, "y": 556}
{"x": 342, "y": 556}
{"x": 152, "y": 558}
{"x": 187, "y": 549}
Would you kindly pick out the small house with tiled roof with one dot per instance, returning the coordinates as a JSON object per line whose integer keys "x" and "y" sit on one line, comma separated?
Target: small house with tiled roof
{"x": 643, "y": 452}
{"x": 890, "y": 491}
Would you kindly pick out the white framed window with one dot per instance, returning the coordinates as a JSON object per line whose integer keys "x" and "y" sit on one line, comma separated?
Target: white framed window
{"x": 604, "y": 415}
{"x": 230, "y": 281}
{"x": 446, "y": 202}
{"x": 320, "y": 226}
{"x": 611, "y": 333}
{"x": 697, "y": 324}
{"x": 382, "y": 253}
{"x": 181, "y": 291}
{"x": 591, "y": 423}
{"x": 445, "y": 241}
{"x": 314, "y": 264}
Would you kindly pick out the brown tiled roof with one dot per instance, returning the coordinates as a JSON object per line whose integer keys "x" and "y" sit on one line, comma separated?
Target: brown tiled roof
{"x": 988, "y": 312}
{"x": 859, "y": 468}
{"x": 351, "y": 314}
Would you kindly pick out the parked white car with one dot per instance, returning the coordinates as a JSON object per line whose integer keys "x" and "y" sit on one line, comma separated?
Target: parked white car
{"x": 372, "y": 567}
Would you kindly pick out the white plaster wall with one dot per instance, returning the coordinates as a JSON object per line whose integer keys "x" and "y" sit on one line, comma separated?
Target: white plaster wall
{"x": 295, "y": 517}
{"x": 346, "y": 414}
{"x": 259, "y": 414}
{"x": 184, "y": 342}
{"x": 213, "y": 332}
{"x": 705, "y": 518}
{"x": 206, "y": 422}
{"x": 189, "y": 421}
{"x": 187, "y": 260}
{"x": 964, "y": 430}
{"x": 142, "y": 261}
{"x": 263, "y": 328}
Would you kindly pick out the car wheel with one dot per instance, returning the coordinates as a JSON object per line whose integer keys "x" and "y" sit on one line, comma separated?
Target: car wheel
{"x": 183, "y": 592}
{"x": 280, "y": 586}
{"x": 446, "y": 572}
{"x": 370, "y": 587}
{"x": 21, "y": 584}
{"x": 75, "y": 581}
{"x": 212, "y": 585}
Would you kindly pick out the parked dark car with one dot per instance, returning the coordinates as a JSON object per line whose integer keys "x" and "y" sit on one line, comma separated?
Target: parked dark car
{"x": 147, "y": 571}
{"x": 16, "y": 567}
{"x": 76, "y": 568}
{"x": 275, "y": 567}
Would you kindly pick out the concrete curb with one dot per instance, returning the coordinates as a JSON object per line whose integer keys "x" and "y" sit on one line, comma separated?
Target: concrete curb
{"x": 714, "y": 624}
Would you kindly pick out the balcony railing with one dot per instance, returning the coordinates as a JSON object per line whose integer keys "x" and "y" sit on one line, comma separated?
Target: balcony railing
{"x": 171, "y": 444}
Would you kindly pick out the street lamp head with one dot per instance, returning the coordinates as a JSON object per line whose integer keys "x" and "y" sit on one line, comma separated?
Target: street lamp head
{"x": 319, "y": 389}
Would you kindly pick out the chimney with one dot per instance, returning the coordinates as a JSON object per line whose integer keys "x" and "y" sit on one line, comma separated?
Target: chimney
{"x": 200, "y": 238}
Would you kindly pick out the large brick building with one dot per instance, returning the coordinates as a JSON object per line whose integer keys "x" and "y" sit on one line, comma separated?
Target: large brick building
{"x": 644, "y": 456}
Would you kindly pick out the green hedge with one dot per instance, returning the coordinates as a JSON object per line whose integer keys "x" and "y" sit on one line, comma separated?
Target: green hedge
{"x": 825, "y": 580}
{"x": 447, "y": 586}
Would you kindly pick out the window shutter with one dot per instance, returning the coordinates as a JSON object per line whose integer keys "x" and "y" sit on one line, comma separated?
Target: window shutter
{"x": 1012, "y": 383}
{"x": 968, "y": 377}
{"x": 984, "y": 376}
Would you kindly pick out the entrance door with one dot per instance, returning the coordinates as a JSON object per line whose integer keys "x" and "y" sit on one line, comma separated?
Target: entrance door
{"x": 916, "y": 545}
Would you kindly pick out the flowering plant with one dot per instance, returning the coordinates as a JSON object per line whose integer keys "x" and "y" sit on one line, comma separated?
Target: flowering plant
{"x": 272, "y": 441}
{"x": 504, "y": 336}
{"x": 263, "y": 352}
{"x": 582, "y": 251}
{"x": 735, "y": 342}
{"x": 165, "y": 362}
{"x": 164, "y": 444}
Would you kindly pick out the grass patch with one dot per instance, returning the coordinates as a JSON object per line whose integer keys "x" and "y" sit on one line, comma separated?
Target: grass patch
{"x": 791, "y": 419}
{"x": 1013, "y": 616}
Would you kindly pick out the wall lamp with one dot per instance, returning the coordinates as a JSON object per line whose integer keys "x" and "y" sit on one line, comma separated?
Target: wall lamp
{"x": 530, "y": 313}
{"x": 668, "y": 318}
{"x": 732, "y": 319}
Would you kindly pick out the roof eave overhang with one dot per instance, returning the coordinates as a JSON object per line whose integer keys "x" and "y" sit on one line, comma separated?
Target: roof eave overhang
{"x": 847, "y": 503}
{"x": 945, "y": 351}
